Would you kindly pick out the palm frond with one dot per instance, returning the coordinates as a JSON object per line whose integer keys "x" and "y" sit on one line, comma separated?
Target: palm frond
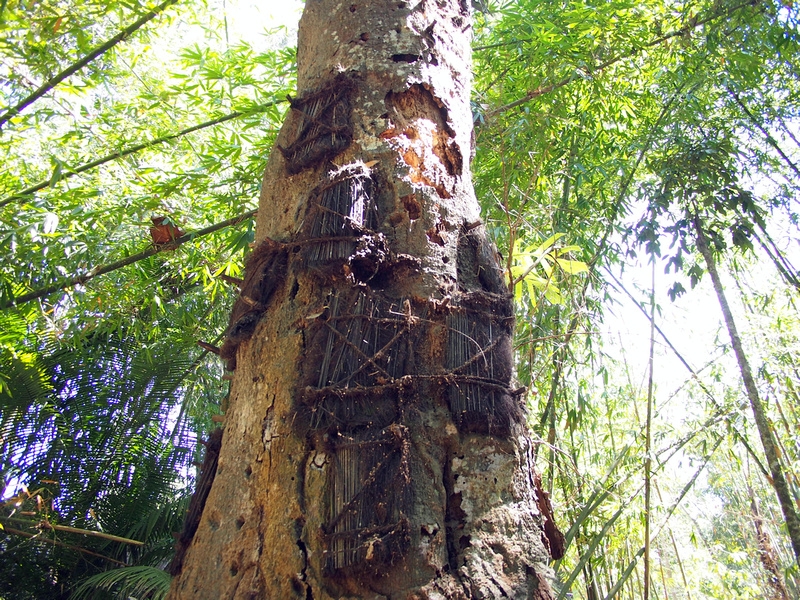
{"x": 137, "y": 582}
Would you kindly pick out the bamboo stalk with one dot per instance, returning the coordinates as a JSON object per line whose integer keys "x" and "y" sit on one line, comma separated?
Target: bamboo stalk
{"x": 89, "y": 532}
{"x": 124, "y": 262}
{"x": 77, "y": 66}
{"x": 648, "y": 433}
{"x": 778, "y": 480}
{"x": 46, "y": 540}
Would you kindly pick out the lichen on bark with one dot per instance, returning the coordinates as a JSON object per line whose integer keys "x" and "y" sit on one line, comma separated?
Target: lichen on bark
{"x": 374, "y": 442}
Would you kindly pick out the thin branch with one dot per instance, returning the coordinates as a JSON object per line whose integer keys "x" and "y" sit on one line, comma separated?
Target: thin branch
{"x": 39, "y": 538}
{"x": 77, "y": 66}
{"x": 770, "y": 140}
{"x": 129, "y": 260}
{"x": 693, "y": 24}
{"x": 136, "y": 148}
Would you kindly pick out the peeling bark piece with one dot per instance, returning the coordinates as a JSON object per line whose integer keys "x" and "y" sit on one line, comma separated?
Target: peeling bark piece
{"x": 324, "y": 129}
{"x": 265, "y": 271}
{"x": 437, "y": 234}
{"x": 207, "y": 473}
{"x": 423, "y": 138}
{"x": 552, "y": 538}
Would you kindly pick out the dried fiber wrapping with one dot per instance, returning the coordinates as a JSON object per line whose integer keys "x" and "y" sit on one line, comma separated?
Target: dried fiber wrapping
{"x": 479, "y": 362}
{"x": 369, "y": 490}
{"x": 360, "y": 341}
{"x": 324, "y": 128}
{"x": 341, "y": 223}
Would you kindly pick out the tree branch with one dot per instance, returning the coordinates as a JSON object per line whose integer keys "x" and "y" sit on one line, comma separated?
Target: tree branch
{"x": 77, "y": 66}
{"x": 693, "y": 24}
{"x": 136, "y": 148}
{"x": 108, "y": 268}
{"x": 770, "y": 140}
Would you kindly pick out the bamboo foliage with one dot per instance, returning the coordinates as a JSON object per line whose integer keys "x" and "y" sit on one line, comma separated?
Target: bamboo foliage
{"x": 598, "y": 124}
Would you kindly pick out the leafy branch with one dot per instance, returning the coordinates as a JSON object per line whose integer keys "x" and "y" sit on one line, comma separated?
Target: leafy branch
{"x": 690, "y": 26}
{"x": 77, "y": 66}
{"x": 129, "y": 260}
{"x": 134, "y": 149}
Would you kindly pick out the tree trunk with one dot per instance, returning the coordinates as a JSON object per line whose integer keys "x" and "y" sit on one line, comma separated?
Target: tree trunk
{"x": 763, "y": 425}
{"x": 374, "y": 445}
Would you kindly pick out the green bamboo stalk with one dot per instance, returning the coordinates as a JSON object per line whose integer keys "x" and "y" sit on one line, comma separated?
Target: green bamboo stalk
{"x": 21, "y": 195}
{"x": 124, "y": 262}
{"x": 648, "y": 434}
{"x": 77, "y": 66}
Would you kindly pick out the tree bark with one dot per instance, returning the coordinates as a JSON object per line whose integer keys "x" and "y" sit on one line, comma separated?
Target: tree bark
{"x": 778, "y": 480}
{"x": 374, "y": 445}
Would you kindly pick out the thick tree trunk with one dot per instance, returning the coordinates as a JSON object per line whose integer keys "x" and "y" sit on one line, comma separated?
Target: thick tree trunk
{"x": 374, "y": 445}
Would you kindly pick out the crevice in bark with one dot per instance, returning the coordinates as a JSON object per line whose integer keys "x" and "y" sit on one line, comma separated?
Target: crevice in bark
{"x": 412, "y": 206}
{"x": 455, "y": 518}
{"x": 208, "y": 471}
{"x": 303, "y": 576}
{"x": 406, "y": 58}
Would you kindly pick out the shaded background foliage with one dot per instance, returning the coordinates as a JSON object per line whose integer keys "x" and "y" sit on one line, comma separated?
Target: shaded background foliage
{"x": 603, "y": 129}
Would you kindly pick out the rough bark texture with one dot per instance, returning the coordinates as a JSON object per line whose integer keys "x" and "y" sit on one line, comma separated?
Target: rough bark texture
{"x": 374, "y": 445}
